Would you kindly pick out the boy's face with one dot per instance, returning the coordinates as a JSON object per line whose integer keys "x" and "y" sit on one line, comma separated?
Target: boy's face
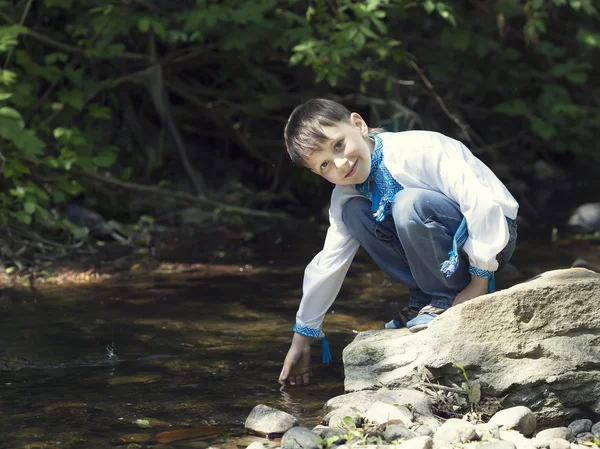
{"x": 346, "y": 156}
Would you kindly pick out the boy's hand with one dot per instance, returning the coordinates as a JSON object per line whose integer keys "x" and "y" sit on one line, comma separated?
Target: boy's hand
{"x": 477, "y": 287}
{"x": 296, "y": 366}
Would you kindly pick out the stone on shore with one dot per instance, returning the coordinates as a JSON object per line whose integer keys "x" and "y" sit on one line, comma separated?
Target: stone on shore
{"x": 301, "y": 438}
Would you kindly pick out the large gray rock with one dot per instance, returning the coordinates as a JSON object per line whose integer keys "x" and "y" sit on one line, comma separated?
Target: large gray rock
{"x": 535, "y": 343}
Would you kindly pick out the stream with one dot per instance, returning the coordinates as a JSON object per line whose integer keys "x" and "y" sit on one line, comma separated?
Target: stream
{"x": 82, "y": 362}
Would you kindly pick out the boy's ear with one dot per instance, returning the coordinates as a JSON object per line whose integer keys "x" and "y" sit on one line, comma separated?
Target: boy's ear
{"x": 358, "y": 121}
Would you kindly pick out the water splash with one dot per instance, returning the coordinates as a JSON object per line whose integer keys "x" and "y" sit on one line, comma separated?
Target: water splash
{"x": 110, "y": 351}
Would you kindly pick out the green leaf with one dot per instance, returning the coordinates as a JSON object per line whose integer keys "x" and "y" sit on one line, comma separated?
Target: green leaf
{"x": 577, "y": 77}
{"x": 13, "y": 115}
{"x": 542, "y": 128}
{"x": 29, "y": 207}
{"x": 513, "y": 108}
{"x": 7, "y": 77}
{"x": 105, "y": 159}
{"x": 5, "y": 95}
{"x": 73, "y": 98}
{"x": 144, "y": 24}
{"x": 30, "y": 144}
{"x": 159, "y": 29}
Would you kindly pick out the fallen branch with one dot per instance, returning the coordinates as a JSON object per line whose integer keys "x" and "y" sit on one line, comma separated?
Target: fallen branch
{"x": 185, "y": 197}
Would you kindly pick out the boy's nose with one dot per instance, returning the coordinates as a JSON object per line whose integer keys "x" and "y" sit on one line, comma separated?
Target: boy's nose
{"x": 340, "y": 161}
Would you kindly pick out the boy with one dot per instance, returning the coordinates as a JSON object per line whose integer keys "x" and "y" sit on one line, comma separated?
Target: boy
{"x": 412, "y": 200}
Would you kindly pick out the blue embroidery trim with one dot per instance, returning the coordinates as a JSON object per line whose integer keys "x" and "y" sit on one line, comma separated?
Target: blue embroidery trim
{"x": 308, "y": 331}
{"x": 489, "y": 275}
{"x": 385, "y": 186}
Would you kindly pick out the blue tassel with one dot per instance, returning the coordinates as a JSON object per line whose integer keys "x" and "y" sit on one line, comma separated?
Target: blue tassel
{"x": 326, "y": 353}
{"x": 491, "y": 284}
{"x": 449, "y": 267}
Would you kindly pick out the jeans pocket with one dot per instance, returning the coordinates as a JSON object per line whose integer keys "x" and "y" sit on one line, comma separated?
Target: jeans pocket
{"x": 384, "y": 234}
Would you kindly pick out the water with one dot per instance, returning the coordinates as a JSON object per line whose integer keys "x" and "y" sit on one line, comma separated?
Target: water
{"x": 81, "y": 363}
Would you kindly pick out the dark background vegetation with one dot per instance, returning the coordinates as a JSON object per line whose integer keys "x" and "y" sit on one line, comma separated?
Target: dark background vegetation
{"x": 142, "y": 110}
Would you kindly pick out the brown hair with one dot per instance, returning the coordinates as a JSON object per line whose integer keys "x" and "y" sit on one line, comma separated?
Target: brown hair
{"x": 303, "y": 132}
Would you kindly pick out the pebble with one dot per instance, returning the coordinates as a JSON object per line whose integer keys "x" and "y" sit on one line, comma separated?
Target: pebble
{"x": 380, "y": 413}
{"x": 515, "y": 418}
{"x": 580, "y": 426}
{"x": 395, "y": 432}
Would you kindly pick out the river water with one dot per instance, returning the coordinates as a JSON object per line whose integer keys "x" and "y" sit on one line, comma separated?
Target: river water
{"x": 81, "y": 363}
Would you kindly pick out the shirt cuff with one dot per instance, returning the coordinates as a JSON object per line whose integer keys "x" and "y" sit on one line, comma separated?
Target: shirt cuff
{"x": 481, "y": 273}
{"x": 308, "y": 331}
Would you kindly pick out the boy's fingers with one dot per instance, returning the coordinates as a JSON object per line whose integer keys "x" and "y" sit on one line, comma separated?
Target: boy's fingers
{"x": 283, "y": 377}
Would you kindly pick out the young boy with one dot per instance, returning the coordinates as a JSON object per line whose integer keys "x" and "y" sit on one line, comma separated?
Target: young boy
{"x": 432, "y": 216}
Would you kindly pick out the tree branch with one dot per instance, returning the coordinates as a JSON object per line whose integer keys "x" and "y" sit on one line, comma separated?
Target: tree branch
{"x": 454, "y": 118}
{"x": 66, "y": 47}
{"x": 185, "y": 197}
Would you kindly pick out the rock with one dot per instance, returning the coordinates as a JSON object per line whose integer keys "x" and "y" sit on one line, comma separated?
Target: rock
{"x": 454, "y": 431}
{"x": 301, "y": 438}
{"x": 423, "y": 430}
{"x": 395, "y": 432}
{"x": 515, "y": 418}
{"x": 596, "y": 428}
{"x": 256, "y": 445}
{"x": 263, "y": 420}
{"x": 531, "y": 344}
{"x": 360, "y": 401}
{"x": 586, "y": 218}
{"x": 327, "y": 432}
{"x": 516, "y": 438}
{"x": 580, "y": 426}
{"x": 424, "y": 442}
{"x": 559, "y": 443}
{"x": 545, "y": 437}
{"x": 586, "y": 437}
{"x": 336, "y": 417}
{"x": 380, "y": 413}
{"x": 488, "y": 430}
{"x": 500, "y": 444}
{"x": 580, "y": 263}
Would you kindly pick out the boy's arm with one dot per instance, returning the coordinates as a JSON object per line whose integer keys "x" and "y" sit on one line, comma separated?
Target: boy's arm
{"x": 447, "y": 165}
{"x": 323, "y": 279}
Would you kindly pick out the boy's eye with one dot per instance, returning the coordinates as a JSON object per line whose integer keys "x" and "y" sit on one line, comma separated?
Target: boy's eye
{"x": 324, "y": 165}
{"x": 338, "y": 145}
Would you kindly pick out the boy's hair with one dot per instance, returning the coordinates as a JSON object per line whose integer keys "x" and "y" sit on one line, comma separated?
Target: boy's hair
{"x": 303, "y": 132}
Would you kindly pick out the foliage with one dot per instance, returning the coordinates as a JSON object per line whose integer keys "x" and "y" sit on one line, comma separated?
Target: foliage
{"x": 129, "y": 89}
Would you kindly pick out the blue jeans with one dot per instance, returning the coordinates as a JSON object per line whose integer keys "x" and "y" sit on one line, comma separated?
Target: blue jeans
{"x": 410, "y": 245}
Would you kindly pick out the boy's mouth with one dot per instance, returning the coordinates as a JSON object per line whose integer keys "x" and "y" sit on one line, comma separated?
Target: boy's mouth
{"x": 352, "y": 170}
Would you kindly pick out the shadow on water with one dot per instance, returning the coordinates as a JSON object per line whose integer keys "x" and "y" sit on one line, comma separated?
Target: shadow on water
{"x": 80, "y": 364}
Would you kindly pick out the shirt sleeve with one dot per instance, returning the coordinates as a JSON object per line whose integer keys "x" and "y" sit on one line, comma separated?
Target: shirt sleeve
{"x": 325, "y": 274}
{"x": 448, "y": 166}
